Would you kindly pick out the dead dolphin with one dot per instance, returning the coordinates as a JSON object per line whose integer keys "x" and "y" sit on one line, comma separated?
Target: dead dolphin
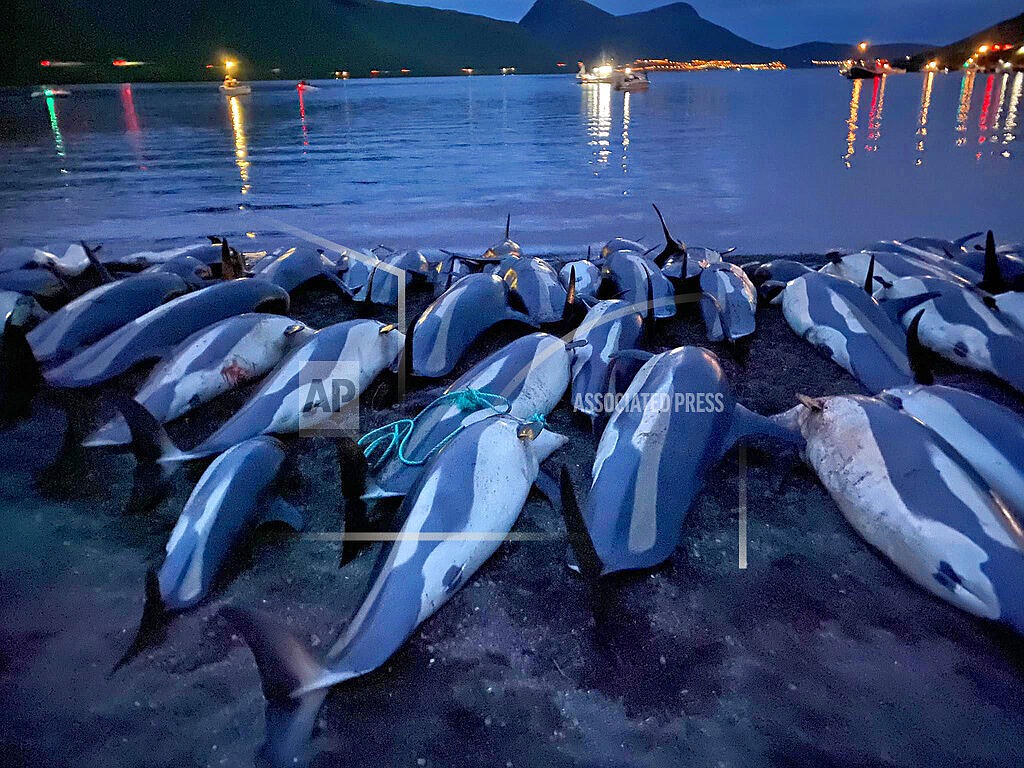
{"x": 190, "y": 269}
{"x": 672, "y": 426}
{"x": 307, "y": 388}
{"x": 298, "y": 266}
{"x": 911, "y": 495}
{"x": 384, "y": 284}
{"x": 890, "y": 266}
{"x": 537, "y": 283}
{"x": 456, "y": 515}
{"x": 99, "y": 312}
{"x": 587, "y": 277}
{"x": 9, "y": 300}
{"x": 43, "y": 284}
{"x": 507, "y": 247}
{"x": 728, "y": 302}
{"x": 958, "y": 325}
{"x": 155, "y": 333}
{"x": 989, "y": 436}
{"x": 609, "y": 327}
{"x": 457, "y": 317}
{"x": 236, "y": 494}
{"x": 530, "y": 376}
{"x": 208, "y": 363}
{"x": 631, "y": 274}
{"x": 843, "y": 321}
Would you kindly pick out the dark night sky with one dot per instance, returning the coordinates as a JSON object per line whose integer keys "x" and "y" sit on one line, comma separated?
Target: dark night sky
{"x": 786, "y": 22}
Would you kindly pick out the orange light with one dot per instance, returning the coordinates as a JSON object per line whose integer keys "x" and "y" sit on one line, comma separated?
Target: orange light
{"x": 406, "y": 71}
{"x": 983, "y": 49}
{"x": 119, "y": 63}
{"x": 374, "y": 72}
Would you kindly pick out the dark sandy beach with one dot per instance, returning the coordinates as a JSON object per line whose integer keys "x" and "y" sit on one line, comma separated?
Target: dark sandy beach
{"x": 819, "y": 653}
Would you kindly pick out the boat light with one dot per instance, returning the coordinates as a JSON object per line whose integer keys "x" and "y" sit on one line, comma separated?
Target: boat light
{"x": 44, "y": 63}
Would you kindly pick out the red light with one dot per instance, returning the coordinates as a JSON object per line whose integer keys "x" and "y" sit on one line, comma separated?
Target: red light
{"x": 44, "y": 63}
{"x": 560, "y": 64}
{"x": 374, "y": 72}
{"x": 120, "y": 62}
{"x": 209, "y": 66}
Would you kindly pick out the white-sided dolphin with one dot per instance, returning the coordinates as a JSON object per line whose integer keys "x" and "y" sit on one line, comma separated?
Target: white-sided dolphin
{"x": 236, "y": 493}
{"x": 99, "y": 312}
{"x": 989, "y": 436}
{"x": 631, "y": 274}
{"x": 671, "y": 428}
{"x": 155, "y": 333}
{"x": 208, "y": 363}
{"x": 839, "y": 318}
{"x": 538, "y": 284}
{"x": 190, "y": 269}
{"x": 911, "y": 495}
{"x": 454, "y": 320}
{"x": 384, "y": 284}
{"x": 959, "y": 325}
{"x": 9, "y": 300}
{"x": 531, "y": 373}
{"x": 298, "y": 394}
{"x": 43, "y": 283}
{"x": 728, "y": 302}
{"x": 889, "y": 267}
{"x": 609, "y": 327}
{"x": 587, "y": 278}
{"x": 298, "y": 266}
{"x": 456, "y": 515}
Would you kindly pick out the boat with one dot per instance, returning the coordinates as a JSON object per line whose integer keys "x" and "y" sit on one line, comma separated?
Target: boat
{"x": 50, "y": 93}
{"x": 231, "y": 87}
{"x": 861, "y": 69}
{"x": 630, "y": 80}
{"x": 620, "y": 78}
{"x": 601, "y": 74}
{"x": 305, "y": 85}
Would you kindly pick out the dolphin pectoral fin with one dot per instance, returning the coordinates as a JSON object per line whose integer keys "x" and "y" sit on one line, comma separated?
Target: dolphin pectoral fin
{"x": 897, "y": 308}
{"x": 548, "y": 488}
{"x": 587, "y": 560}
{"x": 281, "y": 511}
{"x": 152, "y": 625}
{"x": 291, "y": 680}
{"x": 150, "y": 442}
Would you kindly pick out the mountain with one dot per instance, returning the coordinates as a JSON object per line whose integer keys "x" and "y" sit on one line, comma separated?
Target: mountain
{"x": 314, "y": 38}
{"x": 576, "y": 30}
{"x": 955, "y": 54}
{"x": 305, "y": 38}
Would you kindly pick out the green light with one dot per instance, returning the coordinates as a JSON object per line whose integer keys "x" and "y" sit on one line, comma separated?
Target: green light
{"x": 58, "y": 139}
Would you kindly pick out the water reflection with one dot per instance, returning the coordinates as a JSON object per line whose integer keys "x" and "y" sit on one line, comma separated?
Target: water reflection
{"x": 875, "y": 115}
{"x": 964, "y": 109}
{"x": 1011, "y": 114}
{"x": 599, "y": 122}
{"x": 625, "y": 134}
{"x": 851, "y": 122}
{"x": 241, "y": 144}
{"x": 58, "y": 139}
{"x": 302, "y": 120}
{"x": 131, "y": 120}
{"x": 922, "y": 116}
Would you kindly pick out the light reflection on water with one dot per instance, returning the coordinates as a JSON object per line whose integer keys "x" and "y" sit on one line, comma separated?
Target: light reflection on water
{"x": 746, "y": 159}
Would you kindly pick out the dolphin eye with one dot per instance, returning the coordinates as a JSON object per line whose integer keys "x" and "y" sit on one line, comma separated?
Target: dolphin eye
{"x": 291, "y": 330}
{"x": 960, "y": 349}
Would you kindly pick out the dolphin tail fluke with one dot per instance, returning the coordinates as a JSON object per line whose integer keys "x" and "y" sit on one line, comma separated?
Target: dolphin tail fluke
{"x": 746, "y": 423}
{"x": 149, "y": 442}
{"x": 670, "y": 242}
{"x": 897, "y": 308}
{"x": 508, "y": 224}
{"x": 99, "y": 266}
{"x": 571, "y": 308}
{"x": 587, "y": 559}
{"x": 152, "y": 625}
{"x": 290, "y": 677}
{"x": 960, "y": 242}
{"x": 917, "y": 353}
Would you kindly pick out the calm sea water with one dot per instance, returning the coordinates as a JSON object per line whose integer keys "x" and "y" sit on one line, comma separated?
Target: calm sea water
{"x": 768, "y": 162}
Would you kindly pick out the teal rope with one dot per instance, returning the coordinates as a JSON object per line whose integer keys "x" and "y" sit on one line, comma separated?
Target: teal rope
{"x": 396, "y": 434}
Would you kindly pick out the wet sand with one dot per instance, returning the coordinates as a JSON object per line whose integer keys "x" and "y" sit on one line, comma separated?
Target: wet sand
{"x": 819, "y": 653}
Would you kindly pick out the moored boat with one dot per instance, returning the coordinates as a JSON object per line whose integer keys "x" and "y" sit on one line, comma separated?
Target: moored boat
{"x": 232, "y": 87}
